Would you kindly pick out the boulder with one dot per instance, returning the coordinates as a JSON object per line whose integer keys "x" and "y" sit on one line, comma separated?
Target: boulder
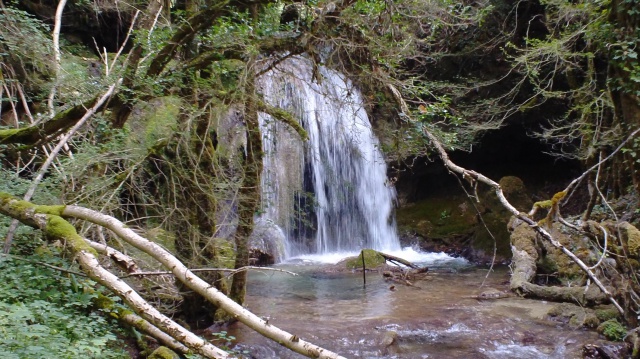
{"x": 266, "y": 243}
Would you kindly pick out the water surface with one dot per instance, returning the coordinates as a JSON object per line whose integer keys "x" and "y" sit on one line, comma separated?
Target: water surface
{"x": 436, "y": 318}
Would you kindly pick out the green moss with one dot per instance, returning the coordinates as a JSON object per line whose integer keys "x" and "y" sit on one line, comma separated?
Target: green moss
{"x": 163, "y": 353}
{"x": 60, "y": 228}
{"x": 156, "y": 122}
{"x": 437, "y": 217}
{"x": 543, "y": 204}
{"x": 165, "y": 238}
{"x": 225, "y": 253}
{"x": 631, "y": 235}
{"x": 607, "y": 313}
{"x": 578, "y": 316}
{"x": 54, "y": 210}
{"x": 372, "y": 259}
{"x": 612, "y": 330}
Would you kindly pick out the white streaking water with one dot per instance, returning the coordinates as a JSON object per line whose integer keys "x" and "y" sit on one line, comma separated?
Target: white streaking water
{"x": 330, "y": 194}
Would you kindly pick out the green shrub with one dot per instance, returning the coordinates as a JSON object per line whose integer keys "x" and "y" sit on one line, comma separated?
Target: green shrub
{"x": 46, "y": 314}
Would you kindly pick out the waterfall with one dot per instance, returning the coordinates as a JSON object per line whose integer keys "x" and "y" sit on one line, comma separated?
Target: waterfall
{"x": 330, "y": 193}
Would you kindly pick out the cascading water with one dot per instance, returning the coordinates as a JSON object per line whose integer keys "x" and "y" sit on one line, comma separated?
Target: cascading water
{"x": 329, "y": 194}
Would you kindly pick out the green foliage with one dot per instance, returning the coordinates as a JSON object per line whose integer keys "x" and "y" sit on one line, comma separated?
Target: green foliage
{"x": 612, "y": 330}
{"x": 26, "y": 239}
{"x": 46, "y": 314}
{"x": 24, "y": 43}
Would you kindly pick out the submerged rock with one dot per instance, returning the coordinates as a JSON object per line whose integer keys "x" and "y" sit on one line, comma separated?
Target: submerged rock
{"x": 492, "y": 293}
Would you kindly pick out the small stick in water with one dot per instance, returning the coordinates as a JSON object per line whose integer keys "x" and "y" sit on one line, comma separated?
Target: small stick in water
{"x": 364, "y": 270}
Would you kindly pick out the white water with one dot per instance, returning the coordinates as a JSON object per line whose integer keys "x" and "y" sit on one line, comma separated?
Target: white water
{"x": 410, "y": 254}
{"x": 331, "y": 194}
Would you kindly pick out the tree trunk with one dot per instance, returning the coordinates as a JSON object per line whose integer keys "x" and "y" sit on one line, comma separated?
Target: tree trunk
{"x": 249, "y": 195}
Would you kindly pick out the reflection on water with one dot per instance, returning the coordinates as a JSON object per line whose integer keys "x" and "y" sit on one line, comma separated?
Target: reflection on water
{"x": 437, "y": 318}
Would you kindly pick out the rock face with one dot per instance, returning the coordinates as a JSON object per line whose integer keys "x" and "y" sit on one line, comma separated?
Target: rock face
{"x": 266, "y": 244}
{"x": 456, "y": 225}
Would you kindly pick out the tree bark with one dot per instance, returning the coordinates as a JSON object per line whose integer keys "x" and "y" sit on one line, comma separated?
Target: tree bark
{"x": 249, "y": 195}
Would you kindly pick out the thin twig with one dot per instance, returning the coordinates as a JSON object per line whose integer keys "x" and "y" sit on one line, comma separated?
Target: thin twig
{"x": 231, "y": 271}
{"x": 115, "y": 58}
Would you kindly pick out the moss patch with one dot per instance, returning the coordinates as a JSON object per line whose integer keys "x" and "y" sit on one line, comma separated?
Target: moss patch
{"x": 372, "y": 259}
{"x": 163, "y": 353}
{"x": 155, "y": 121}
{"x": 576, "y": 316}
{"x": 612, "y": 330}
{"x": 631, "y": 235}
{"x": 439, "y": 218}
{"x": 60, "y": 228}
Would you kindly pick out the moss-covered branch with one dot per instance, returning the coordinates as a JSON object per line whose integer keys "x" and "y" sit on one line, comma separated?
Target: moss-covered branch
{"x": 47, "y": 130}
{"x": 284, "y": 116}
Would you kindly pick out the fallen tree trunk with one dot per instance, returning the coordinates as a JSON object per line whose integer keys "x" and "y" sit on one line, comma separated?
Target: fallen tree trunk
{"x": 49, "y": 220}
{"x": 183, "y": 274}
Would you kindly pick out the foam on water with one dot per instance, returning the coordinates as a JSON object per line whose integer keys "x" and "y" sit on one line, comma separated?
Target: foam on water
{"x": 407, "y": 253}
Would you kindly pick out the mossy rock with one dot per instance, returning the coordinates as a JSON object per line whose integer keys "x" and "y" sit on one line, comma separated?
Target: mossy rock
{"x": 631, "y": 235}
{"x": 569, "y": 273}
{"x": 577, "y": 316}
{"x": 496, "y": 216}
{"x": 163, "y": 353}
{"x": 516, "y": 192}
{"x": 372, "y": 259}
{"x": 225, "y": 253}
{"x": 438, "y": 218}
{"x": 605, "y": 313}
{"x": 612, "y": 330}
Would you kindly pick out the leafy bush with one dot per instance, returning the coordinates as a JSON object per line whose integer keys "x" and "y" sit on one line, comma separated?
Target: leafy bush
{"x": 46, "y": 314}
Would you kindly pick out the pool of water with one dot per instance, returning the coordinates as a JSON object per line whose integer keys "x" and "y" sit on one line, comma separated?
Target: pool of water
{"x": 439, "y": 317}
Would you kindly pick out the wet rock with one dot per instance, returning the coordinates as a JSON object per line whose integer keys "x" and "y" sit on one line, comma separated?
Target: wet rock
{"x": 451, "y": 224}
{"x": 372, "y": 260}
{"x": 493, "y": 293}
{"x": 266, "y": 243}
{"x": 604, "y": 351}
{"x": 390, "y": 342}
{"x": 574, "y": 315}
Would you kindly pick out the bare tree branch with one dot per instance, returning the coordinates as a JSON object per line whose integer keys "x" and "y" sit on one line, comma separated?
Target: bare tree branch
{"x": 473, "y": 176}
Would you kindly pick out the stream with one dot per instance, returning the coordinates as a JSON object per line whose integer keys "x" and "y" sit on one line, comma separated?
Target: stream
{"x": 439, "y": 317}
